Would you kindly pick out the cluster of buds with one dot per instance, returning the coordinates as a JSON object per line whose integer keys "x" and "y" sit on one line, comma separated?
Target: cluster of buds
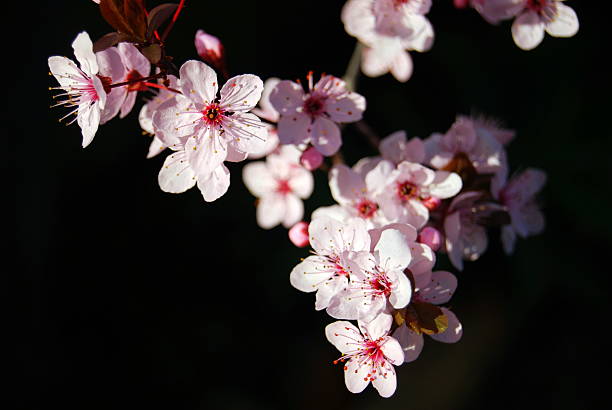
{"x": 375, "y": 249}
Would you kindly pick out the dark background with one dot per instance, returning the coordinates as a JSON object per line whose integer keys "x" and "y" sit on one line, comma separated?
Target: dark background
{"x": 128, "y": 297}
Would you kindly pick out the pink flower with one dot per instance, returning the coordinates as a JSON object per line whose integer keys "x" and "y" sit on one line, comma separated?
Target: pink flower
{"x": 539, "y": 16}
{"x": 394, "y": 148}
{"x": 387, "y": 28}
{"x": 145, "y": 117}
{"x": 334, "y": 245}
{"x": 298, "y": 234}
{"x": 379, "y": 280}
{"x": 208, "y": 128}
{"x": 357, "y": 193}
{"x": 471, "y": 143}
{"x": 412, "y": 190}
{"x": 370, "y": 352}
{"x": 84, "y": 90}
{"x": 519, "y": 197}
{"x": 280, "y": 183}
{"x": 312, "y": 117}
{"x": 266, "y": 111}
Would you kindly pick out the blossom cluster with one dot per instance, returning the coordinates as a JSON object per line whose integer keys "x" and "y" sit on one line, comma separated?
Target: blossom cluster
{"x": 389, "y": 29}
{"x": 374, "y": 250}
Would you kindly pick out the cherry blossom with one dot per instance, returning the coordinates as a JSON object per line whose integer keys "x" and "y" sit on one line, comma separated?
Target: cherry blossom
{"x": 540, "y": 16}
{"x": 84, "y": 90}
{"x": 335, "y": 246}
{"x": 395, "y": 148}
{"x": 387, "y": 28}
{"x": 379, "y": 280}
{"x": 370, "y": 354}
{"x": 468, "y": 145}
{"x": 312, "y": 116}
{"x": 519, "y": 198}
{"x": 357, "y": 193}
{"x": 413, "y": 190}
{"x": 280, "y": 183}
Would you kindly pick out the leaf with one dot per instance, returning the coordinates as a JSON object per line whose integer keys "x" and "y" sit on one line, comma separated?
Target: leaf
{"x": 109, "y": 40}
{"x": 461, "y": 165}
{"x": 399, "y": 317}
{"x": 423, "y": 317}
{"x": 153, "y": 53}
{"x": 135, "y": 15}
{"x": 127, "y": 17}
{"x": 158, "y": 16}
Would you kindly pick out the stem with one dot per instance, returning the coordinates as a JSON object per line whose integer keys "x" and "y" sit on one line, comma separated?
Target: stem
{"x": 137, "y": 80}
{"x": 368, "y": 132}
{"x": 171, "y": 24}
{"x": 352, "y": 70}
{"x": 162, "y": 87}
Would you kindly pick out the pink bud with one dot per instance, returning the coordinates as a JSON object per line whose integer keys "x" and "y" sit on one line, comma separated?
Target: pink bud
{"x": 461, "y": 4}
{"x": 210, "y": 49}
{"x": 431, "y": 237}
{"x": 311, "y": 159}
{"x": 431, "y": 203}
{"x": 298, "y": 234}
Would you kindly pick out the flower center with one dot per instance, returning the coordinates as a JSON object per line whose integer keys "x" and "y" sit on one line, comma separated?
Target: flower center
{"x": 366, "y": 208}
{"x": 536, "y": 5}
{"x": 134, "y": 76}
{"x": 282, "y": 187}
{"x": 212, "y": 114}
{"x": 313, "y": 106}
{"x": 407, "y": 190}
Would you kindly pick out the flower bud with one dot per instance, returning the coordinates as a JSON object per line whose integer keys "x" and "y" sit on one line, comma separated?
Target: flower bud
{"x": 210, "y": 49}
{"x": 311, "y": 159}
{"x": 431, "y": 203}
{"x": 298, "y": 234}
{"x": 431, "y": 237}
{"x": 461, "y": 4}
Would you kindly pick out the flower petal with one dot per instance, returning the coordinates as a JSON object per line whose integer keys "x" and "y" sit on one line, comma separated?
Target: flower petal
{"x": 287, "y": 97}
{"x": 343, "y": 335}
{"x": 386, "y": 383}
{"x": 440, "y": 289}
{"x": 198, "y": 82}
{"x": 215, "y": 184}
{"x": 176, "y": 175}
{"x": 294, "y": 210}
{"x": 325, "y": 136}
{"x": 293, "y": 128}
{"x": 258, "y": 179}
{"x": 83, "y": 51}
{"x": 348, "y": 108}
{"x": 270, "y": 211}
{"x": 564, "y": 23}
{"x": 410, "y": 341}
{"x": 241, "y": 93}
{"x": 528, "y": 30}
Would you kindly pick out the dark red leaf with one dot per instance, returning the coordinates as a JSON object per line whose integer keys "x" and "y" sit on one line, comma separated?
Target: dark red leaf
{"x": 109, "y": 40}
{"x": 158, "y": 16}
{"x": 125, "y": 18}
{"x": 136, "y": 18}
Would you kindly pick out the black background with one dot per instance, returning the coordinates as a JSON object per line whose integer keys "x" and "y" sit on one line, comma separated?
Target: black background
{"x": 128, "y": 297}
